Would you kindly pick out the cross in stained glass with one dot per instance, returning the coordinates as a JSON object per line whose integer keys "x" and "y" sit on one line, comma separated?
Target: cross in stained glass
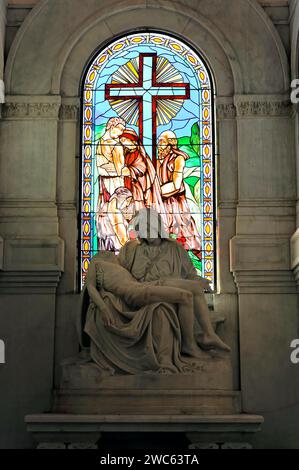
{"x": 147, "y": 92}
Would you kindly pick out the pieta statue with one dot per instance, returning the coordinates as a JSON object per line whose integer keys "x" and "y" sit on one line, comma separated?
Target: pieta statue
{"x": 144, "y": 310}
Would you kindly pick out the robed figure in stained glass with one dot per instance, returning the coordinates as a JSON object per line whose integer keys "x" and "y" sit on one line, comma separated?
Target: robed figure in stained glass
{"x": 143, "y": 180}
{"x": 171, "y": 166}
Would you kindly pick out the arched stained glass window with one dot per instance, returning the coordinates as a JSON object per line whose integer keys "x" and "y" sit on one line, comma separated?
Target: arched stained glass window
{"x": 148, "y": 141}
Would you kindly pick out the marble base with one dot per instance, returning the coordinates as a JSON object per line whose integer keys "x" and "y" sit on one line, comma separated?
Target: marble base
{"x": 85, "y": 389}
{"x": 135, "y": 402}
{"x": 214, "y": 374}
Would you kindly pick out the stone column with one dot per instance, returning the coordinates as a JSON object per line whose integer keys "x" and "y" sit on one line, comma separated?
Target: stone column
{"x": 33, "y": 257}
{"x": 226, "y": 301}
{"x": 260, "y": 252}
{"x": 3, "y": 6}
{"x": 295, "y": 237}
{"x": 68, "y": 190}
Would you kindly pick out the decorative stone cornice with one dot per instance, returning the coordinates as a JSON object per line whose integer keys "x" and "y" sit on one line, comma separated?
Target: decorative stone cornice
{"x": 69, "y": 112}
{"x": 265, "y": 282}
{"x": 31, "y": 107}
{"x": 31, "y": 265}
{"x": 29, "y": 282}
{"x": 261, "y": 264}
{"x": 26, "y": 110}
{"x": 263, "y": 106}
{"x": 226, "y": 111}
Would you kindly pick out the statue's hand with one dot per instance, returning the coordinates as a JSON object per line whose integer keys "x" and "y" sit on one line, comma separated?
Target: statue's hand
{"x": 205, "y": 283}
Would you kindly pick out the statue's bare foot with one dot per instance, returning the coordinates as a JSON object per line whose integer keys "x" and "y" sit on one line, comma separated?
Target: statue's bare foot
{"x": 193, "y": 351}
{"x": 213, "y": 341}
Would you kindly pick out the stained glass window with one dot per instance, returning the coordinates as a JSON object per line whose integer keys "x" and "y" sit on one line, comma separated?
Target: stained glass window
{"x": 148, "y": 141}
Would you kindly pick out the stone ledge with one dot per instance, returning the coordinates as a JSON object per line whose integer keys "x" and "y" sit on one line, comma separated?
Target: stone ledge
{"x": 265, "y": 282}
{"x": 63, "y": 429}
{"x": 244, "y": 422}
{"x": 22, "y": 282}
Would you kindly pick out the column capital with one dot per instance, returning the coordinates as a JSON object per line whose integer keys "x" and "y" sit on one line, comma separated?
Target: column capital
{"x": 225, "y": 108}
{"x": 31, "y": 265}
{"x": 261, "y": 264}
{"x": 69, "y": 110}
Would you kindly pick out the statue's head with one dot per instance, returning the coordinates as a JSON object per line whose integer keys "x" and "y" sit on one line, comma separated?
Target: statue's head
{"x": 149, "y": 226}
{"x": 116, "y": 127}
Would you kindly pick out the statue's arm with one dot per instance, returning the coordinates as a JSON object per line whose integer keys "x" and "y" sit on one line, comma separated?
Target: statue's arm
{"x": 91, "y": 285}
{"x": 188, "y": 270}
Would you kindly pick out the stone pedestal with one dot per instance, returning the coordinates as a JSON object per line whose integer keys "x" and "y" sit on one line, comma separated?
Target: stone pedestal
{"x": 202, "y": 407}
{"x": 59, "y": 431}
{"x": 85, "y": 389}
